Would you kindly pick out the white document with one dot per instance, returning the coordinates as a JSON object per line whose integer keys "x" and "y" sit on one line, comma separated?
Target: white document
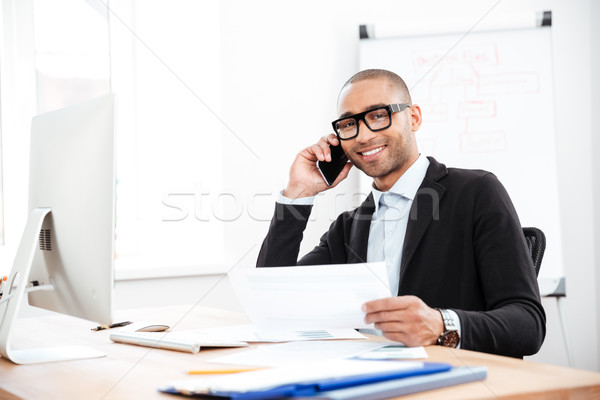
{"x": 310, "y": 297}
{"x": 250, "y": 333}
{"x": 394, "y": 352}
{"x": 293, "y": 353}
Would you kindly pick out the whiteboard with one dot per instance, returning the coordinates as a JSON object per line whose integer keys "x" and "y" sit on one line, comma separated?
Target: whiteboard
{"x": 487, "y": 101}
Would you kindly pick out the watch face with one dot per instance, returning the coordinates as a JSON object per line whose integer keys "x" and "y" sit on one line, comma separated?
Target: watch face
{"x": 449, "y": 339}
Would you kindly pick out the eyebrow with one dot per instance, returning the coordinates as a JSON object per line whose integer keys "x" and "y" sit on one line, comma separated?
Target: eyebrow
{"x": 367, "y": 108}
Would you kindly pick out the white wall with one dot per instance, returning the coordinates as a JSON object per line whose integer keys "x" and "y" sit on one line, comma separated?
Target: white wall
{"x": 595, "y": 105}
{"x": 282, "y": 66}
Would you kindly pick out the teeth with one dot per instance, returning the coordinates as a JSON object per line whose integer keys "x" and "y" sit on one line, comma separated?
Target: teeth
{"x": 371, "y": 152}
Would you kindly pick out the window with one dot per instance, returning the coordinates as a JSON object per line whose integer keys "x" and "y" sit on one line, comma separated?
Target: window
{"x": 164, "y": 67}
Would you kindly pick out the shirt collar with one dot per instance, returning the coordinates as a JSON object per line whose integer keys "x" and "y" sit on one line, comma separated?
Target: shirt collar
{"x": 408, "y": 184}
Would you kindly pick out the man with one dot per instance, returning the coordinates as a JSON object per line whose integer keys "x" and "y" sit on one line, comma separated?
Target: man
{"x": 452, "y": 242}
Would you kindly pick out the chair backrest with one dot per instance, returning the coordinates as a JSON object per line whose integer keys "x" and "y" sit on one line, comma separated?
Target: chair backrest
{"x": 536, "y": 242}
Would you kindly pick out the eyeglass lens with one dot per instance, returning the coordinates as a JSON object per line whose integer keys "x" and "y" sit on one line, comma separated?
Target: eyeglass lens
{"x": 376, "y": 120}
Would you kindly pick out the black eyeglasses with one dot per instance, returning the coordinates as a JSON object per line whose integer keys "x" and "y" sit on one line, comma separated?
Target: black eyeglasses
{"x": 377, "y": 119}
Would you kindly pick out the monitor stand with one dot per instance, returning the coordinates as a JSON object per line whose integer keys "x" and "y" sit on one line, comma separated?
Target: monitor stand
{"x": 14, "y": 295}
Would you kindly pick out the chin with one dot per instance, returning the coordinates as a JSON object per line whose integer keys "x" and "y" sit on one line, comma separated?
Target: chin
{"x": 372, "y": 172}
{"x": 377, "y": 172}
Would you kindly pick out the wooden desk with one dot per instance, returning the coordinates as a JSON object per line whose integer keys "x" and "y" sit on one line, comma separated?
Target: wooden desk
{"x": 132, "y": 372}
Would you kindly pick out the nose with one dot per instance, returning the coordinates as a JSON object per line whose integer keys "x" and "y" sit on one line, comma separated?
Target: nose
{"x": 365, "y": 134}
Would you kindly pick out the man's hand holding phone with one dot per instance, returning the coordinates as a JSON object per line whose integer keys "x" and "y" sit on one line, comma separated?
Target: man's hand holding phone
{"x": 306, "y": 179}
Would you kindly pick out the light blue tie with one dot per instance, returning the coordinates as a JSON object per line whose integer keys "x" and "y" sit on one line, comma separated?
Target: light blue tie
{"x": 377, "y": 233}
{"x": 387, "y": 236}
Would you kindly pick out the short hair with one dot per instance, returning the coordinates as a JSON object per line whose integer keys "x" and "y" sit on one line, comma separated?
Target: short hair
{"x": 395, "y": 80}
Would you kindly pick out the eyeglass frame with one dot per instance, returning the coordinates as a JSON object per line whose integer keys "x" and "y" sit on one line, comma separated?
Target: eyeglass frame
{"x": 390, "y": 108}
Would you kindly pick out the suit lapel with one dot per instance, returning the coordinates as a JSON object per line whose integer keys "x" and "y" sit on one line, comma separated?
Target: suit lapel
{"x": 425, "y": 208}
{"x": 359, "y": 232}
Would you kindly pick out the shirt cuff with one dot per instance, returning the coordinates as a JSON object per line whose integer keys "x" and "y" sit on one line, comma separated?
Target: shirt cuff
{"x": 301, "y": 201}
{"x": 457, "y": 324}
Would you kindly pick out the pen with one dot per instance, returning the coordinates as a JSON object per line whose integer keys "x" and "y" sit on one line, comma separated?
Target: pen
{"x": 222, "y": 371}
{"x": 3, "y": 284}
{"x": 115, "y": 325}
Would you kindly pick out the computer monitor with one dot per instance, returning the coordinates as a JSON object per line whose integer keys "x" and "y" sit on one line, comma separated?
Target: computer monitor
{"x": 65, "y": 259}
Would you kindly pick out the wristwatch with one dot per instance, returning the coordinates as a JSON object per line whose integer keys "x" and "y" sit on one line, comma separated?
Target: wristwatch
{"x": 450, "y": 336}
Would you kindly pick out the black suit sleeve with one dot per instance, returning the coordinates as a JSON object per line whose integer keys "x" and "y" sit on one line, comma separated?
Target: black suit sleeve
{"x": 282, "y": 243}
{"x": 514, "y": 321}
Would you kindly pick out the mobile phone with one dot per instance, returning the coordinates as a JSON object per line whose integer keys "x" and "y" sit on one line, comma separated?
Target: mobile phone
{"x": 330, "y": 170}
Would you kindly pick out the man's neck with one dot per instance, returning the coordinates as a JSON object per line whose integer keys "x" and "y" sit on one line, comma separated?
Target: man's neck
{"x": 385, "y": 183}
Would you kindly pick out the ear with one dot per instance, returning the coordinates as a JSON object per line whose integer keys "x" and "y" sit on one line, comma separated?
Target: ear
{"x": 415, "y": 117}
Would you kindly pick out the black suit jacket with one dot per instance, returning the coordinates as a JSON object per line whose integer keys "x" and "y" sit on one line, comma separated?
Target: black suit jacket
{"x": 464, "y": 250}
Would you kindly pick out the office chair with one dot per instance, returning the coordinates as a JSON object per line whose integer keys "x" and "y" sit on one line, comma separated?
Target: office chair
{"x": 536, "y": 242}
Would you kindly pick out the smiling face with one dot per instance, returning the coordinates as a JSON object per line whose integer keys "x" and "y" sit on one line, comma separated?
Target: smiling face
{"x": 387, "y": 154}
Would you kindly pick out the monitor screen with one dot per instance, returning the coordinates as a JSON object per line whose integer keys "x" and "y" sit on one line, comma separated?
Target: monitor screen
{"x": 65, "y": 260}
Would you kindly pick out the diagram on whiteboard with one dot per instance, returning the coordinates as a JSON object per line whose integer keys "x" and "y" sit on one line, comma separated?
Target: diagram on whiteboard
{"x": 463, "y": 88}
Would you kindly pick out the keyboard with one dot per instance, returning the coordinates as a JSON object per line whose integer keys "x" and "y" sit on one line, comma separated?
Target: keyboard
{"x": 179, "y": 341}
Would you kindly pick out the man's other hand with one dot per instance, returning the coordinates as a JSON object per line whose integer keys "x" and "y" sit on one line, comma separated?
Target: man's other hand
{"x": 405, "y": 319}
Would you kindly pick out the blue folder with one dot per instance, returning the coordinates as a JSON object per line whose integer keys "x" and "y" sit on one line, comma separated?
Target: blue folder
{"x": 404, "y": 386}
{"x": 314, "y": 388}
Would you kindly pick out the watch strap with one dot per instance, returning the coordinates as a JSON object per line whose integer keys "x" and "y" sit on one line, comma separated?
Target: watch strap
{"x": 449, "y": 323}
